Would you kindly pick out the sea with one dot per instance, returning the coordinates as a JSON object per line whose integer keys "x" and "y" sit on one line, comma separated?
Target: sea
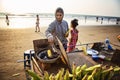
{"x": 29, "y": 20}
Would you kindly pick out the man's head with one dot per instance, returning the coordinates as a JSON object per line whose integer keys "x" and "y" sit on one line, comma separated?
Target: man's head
{"x": 59, "y": 14}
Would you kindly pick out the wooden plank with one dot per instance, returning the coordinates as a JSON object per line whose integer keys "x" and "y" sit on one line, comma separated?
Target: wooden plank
{"x": 40, "y": 44}
{"x": 79, "y": 58}
{"x": 62, "y": 50}
{"x": 63, "y": 54}
{"x": 37, "y": 66}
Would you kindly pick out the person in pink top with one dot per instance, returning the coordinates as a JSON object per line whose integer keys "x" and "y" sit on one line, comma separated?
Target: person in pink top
{"x": 73, "y": 35}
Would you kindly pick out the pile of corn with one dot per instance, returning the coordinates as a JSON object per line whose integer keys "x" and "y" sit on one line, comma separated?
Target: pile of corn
{"x": 96, "y": 72}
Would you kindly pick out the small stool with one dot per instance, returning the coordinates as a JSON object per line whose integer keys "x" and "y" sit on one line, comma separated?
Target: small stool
{"x": 27, "y": 57}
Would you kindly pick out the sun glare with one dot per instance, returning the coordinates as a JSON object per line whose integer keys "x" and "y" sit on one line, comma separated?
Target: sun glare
{"x": 24, "y": 6}
{"x": 94, "y": 7}
{"x": 15, "y": 6}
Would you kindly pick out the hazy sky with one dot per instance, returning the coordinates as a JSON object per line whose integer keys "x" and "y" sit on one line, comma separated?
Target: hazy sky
{"x": 90, "y": 7}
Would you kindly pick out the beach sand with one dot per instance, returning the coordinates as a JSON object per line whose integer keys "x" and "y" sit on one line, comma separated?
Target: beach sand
{"x": 13, "y": 43}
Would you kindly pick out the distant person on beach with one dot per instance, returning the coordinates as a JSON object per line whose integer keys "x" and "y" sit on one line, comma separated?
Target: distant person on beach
{"x": 117, "y": 20}
{"x": 96, "y": 19}
{"x": 85, "y": 19}
{"x": 58, "y": 28}
{"x": 101, "y": 20}
{"x": 108, "y": 20}
{"x": 7, "y": 20}
{"x": 37, "y": 28}
{"x": 73, "y": 35}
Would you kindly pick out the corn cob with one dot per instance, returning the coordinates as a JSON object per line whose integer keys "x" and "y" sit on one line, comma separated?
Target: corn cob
{"x": 97, "y": 75}
{"x": 110, "y": 75}
{"x": 66, "y": 76}
{"x": 34, "y": 75}
{"x": 85, "y": 77}
{"x": 46, "y": 75}
{"x": 52, "y": 77}
{"x": 92, "y": 67}
{"x": 73, "y": 68}
{"x": 70, "y": 75}
{"x": 83, "y": 67}
{"x": 116, "y": 70}
{"x": 91, "y": 77}
{"x": 106, "y": 73}
{"x": 104, "y": 67}
{"x": 49, "y": 53}
{"x": 78, "y": 69}
{"x": 62, "y": 72}
{"x": 79, "y": 74}
{"x": 84, "y": 50}
{"x": 74, "y": 71}
{"x": 59, "y": 75}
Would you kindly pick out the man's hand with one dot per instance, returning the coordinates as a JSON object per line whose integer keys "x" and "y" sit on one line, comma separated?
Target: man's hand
{"x": 50, "y": 38}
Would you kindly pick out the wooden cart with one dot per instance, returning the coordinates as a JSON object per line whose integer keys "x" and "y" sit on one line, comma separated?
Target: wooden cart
{"x": 62, "y": 61}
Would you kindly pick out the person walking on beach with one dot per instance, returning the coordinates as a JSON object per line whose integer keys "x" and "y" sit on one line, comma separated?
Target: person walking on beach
{"x": 96, "y": 19}
{"x": 73, "y": 35}
{"x": 37, "y": 28}
{"x": 7, "y": 20}
{"x": 117, "y": 20}
{"x": 101, "y": 20}
{"x": 58, "y": 28}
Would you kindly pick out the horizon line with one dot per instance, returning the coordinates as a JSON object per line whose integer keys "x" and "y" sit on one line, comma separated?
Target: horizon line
{"x": 23, "y": 14}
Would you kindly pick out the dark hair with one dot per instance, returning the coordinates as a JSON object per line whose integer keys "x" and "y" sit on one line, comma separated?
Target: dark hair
{"x": 74, "y": 23}
{"x": 37, "y": 15}
{"x": 59, "y": 9}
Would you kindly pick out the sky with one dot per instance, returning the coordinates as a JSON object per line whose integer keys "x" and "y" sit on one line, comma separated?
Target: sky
{"x": 89, "y": 7}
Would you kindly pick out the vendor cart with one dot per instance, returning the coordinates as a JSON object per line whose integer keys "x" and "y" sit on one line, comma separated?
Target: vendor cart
{"x": 33, "y": 60}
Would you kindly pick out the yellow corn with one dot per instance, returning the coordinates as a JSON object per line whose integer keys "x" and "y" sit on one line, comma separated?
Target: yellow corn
{"x": 84, "y": 50}
{"x": 49, "y": 53}
{"x": 34, "y": 75}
